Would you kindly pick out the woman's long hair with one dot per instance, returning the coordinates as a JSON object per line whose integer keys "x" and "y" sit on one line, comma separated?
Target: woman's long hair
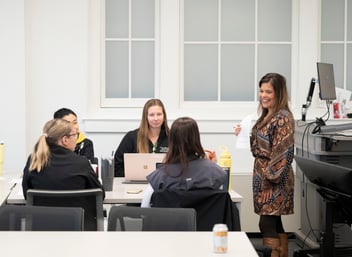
{"x": 281, "y": 95}
{"x": 53, "y": 131}
{"x": 143, "y": 132}
{"x": 184, "y": 143}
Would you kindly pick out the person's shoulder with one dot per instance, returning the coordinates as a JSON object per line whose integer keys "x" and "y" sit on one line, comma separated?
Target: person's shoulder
{"x": 81, "y": 160}
{"x": 206, "y": 163}
{"x": 155, "y": 176}
{"x": 283, "y": 117}
{"x": 132, "y": 133}
{"x": 284, "y": 113}
{"x": 88, "y": 141}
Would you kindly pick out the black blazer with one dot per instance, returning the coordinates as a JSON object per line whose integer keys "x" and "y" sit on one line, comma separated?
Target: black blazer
{"x": 65, "y": 171}
{"x": 212, "y": 206}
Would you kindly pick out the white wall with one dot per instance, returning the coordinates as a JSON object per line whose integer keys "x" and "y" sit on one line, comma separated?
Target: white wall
{"x": 57, "y": 60}
{"x": 45, "y": 64}
{"x": 12, "y": 83}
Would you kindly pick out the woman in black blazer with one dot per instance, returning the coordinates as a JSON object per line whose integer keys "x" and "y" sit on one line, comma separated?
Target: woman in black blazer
{"x": 53, "y": 165}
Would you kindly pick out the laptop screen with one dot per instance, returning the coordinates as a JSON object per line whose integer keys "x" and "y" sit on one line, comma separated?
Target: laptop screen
{"x": 139, "y": 165}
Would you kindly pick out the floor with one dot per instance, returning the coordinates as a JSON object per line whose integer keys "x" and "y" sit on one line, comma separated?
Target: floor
{"x": 294, "y": 244}
{"x": 297, "y": 248}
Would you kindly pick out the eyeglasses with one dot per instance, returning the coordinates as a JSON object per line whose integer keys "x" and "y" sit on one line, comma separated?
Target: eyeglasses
{"x": 76, "y": 135}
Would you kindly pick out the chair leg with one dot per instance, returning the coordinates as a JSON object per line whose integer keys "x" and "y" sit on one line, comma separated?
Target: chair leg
{"x": 284, "y": 244}
{"x": 274, "y": 243}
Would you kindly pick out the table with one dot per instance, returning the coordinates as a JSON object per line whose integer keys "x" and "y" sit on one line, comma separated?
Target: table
{"x": 139, "y": 244}
{"x": 6, "y": 185}
{"x": 121, "y": 194}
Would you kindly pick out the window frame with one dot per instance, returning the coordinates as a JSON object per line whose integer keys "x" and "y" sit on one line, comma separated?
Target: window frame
{"x": 169, "y": 76}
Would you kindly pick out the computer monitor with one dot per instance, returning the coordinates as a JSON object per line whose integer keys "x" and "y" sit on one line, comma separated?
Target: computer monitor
{"x": 330, "y": 176}
{"x": 326, "y": 81}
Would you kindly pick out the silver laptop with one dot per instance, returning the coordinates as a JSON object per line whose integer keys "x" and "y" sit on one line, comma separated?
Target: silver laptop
{"x": 139, "y": 165}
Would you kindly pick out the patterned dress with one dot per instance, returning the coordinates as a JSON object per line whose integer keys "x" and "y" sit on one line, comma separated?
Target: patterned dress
{"x": 272, "y": 145}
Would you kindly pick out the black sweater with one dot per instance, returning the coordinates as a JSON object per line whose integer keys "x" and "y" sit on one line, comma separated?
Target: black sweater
{"x": 128, "y": 144}
{"x": 65, "y": 171}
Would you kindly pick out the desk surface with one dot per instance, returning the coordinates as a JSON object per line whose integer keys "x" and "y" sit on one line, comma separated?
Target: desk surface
{"x": 93, "y": 244}
{"x": 119, "y": 195}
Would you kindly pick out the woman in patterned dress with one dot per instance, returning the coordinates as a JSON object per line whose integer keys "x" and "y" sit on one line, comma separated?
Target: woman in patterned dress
{"x": 272, "y": 145}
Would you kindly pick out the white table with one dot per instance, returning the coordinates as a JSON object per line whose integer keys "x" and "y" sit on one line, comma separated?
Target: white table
{"x": 120, "y": 194}
{"x": 6, "y": 185}
{"x": 139, "y": 244}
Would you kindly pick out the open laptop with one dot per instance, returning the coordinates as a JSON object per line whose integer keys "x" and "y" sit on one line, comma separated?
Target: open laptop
{"x": 139, "y": 165}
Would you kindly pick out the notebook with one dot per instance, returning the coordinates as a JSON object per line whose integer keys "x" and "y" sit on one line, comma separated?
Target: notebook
{"x": 139, "y": 165}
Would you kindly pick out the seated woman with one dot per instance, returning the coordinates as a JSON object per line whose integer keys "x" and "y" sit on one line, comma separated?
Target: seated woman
{"x": 53, "y": 165}
{"x": 186, "y": 166}
{"x": 150, "y": 137}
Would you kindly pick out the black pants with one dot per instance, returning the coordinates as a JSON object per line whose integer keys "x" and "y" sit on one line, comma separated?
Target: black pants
{"x": 271, "y": 226}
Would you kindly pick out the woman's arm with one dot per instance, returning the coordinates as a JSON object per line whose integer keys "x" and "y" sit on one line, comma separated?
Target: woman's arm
{"x": 282, "y": 147}
{"x": 148, "y": 192}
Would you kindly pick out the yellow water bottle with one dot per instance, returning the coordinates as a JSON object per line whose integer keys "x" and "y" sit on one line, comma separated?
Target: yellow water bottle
{"x": 226, "y": 164}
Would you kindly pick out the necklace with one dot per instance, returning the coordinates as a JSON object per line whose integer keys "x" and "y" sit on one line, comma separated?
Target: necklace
{"x": 154, "y": 146}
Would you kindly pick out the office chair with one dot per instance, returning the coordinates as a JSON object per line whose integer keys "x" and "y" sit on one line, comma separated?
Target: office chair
{"x": 40, "y": 218}
{"x": 91, "y": 200}
{"x": 130, "y": 218}
{"x": 212, "y": 206}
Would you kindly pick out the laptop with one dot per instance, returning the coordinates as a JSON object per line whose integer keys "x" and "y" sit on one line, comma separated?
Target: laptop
{"x": 139, "y": 165}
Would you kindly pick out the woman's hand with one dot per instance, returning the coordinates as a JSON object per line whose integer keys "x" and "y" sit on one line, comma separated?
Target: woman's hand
{"x": 266, "y": 195}
{"x": 211, "y": 155}
{"x": 237, "y": 129}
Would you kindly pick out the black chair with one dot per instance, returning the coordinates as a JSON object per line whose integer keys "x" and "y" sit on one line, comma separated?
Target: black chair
{"x": 212, "y": 206}
{"x": 129, "y": 218}
{"x": 40, "y": 218}
{"x": 91, "y": 200}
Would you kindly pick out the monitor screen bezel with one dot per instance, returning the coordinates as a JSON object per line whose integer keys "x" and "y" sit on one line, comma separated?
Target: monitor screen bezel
{"x": 326, "y": 81}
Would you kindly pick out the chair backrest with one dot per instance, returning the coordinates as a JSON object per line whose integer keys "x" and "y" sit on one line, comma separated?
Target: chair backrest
{"x": 91, "y": 200}
{"x": 40, "y": 218}
{"x": 212, "y": 206}
{"x": 131, "y": 218}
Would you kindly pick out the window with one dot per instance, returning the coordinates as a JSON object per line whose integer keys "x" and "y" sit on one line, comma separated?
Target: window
{"x": 336, "y": 39}
{"x": 130, "y": 45}
{"x": 223, "y": 48}
{"x": 229, "y": 44}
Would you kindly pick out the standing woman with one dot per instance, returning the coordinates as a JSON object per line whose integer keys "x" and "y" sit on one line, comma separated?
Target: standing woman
{"x": 150, "y": 137}
{"x": 53, "y": 165}
{"x": 272, "y": 145}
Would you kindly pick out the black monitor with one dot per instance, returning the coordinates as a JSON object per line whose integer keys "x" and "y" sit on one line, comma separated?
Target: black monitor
{"x": 335, "y": 189}
{"x": 330, "y": 176}
{"x": 326, "y": 81}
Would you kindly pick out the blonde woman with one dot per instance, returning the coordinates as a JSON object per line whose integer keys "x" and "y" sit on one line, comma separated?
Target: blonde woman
{"x": 150, "y": 137}
{"x": 53, "y": 165}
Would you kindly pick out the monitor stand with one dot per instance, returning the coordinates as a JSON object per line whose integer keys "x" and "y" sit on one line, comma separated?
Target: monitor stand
{"x": 327, "y": 236}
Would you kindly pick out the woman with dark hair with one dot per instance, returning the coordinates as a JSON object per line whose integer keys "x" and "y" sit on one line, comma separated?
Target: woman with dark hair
{"x": 186, "y": 164}
{"x": 54, "y": 166}
{"x": 150, "y": 137}
{"x": 272, "y": 145}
